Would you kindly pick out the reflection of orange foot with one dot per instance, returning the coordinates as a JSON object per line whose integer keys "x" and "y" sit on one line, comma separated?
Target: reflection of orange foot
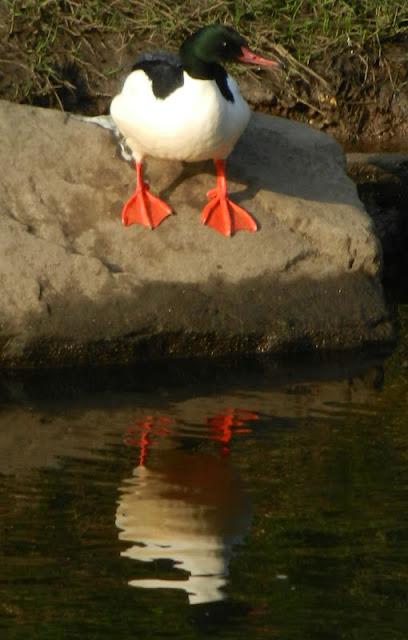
{"x": 225, "y": 425}
{"x": 143, "y": 207}
{"x": 221, "y": 213}
{"x": 142, "y": 434}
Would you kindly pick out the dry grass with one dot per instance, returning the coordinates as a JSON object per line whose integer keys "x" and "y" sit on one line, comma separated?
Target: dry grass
{"x": 51, "y": 46}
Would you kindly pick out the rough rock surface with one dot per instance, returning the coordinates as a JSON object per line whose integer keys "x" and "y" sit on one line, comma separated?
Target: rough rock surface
{"x": 77, "y": 287}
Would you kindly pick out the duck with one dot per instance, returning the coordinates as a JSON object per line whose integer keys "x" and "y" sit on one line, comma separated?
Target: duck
{"x": 186, "y": 107}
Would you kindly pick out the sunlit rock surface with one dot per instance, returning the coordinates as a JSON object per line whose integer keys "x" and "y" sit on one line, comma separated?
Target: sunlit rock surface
{"x": 78, "y": 287}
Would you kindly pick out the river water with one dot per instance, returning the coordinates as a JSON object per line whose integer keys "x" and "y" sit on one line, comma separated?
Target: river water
{"x": 266, "y": 500}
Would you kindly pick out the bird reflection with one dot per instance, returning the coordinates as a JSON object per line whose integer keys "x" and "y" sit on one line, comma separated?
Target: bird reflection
{"x": 231, "y": 421}
{"x": 185, "y": 506}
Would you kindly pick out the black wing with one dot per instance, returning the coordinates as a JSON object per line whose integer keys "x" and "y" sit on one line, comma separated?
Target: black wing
{"x": 164, "y": 70}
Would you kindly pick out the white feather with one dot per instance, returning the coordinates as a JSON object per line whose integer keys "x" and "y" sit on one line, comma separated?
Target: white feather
{"x": 193, "y": 123}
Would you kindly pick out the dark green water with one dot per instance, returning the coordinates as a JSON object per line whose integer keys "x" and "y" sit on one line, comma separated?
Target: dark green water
{"x": 266, "y": 504}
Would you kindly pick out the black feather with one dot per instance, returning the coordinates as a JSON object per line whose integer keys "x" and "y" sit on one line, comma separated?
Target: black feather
{"x": 221, "y": 80}
{"x": 164, "y": 70}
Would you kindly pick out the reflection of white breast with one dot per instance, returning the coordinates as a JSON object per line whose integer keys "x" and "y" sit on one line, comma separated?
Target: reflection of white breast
{"x": 195, "y": 122}
{"x": 171, "y": 524}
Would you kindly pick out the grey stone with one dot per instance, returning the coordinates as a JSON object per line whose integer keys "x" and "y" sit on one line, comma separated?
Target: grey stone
{"x": 77, "y": 287}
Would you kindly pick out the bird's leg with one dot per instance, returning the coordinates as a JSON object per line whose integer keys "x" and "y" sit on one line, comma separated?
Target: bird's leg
{"x": 220, "y": 212}
{"x": 142, "y": 206}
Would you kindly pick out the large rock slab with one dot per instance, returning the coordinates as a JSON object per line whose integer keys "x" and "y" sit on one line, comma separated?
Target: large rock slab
{"x": 77, "y": 287}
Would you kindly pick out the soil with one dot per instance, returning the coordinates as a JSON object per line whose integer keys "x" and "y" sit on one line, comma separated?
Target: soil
{"x": 360, "y": 97}
{"x": 382, "y": 183}
{"x": 362, "y": 100}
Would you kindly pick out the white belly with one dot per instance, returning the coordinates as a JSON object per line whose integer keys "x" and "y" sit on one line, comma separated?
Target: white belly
{"x": 193, "y": 123}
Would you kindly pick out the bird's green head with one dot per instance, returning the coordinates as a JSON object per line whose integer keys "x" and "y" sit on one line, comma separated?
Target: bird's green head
{"x": 214, "y": 45}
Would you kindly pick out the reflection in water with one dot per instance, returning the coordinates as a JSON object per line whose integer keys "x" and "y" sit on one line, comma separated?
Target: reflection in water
{"x": 142, "y": 433}
{"x": 188, "y": 507}
{"x": 229, "y": 422}
{"x": 325, "y": 466}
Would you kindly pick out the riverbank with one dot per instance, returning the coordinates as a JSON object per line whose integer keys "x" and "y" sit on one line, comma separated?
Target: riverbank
{"x": 345, "y": 77}
{"x": 346, "y": 66}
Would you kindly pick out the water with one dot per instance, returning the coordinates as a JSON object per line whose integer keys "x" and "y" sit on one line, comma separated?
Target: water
{"x": 268, "y": 503}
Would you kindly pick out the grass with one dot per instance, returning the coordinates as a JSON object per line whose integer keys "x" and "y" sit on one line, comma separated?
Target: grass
{"x": 41, "y": 37}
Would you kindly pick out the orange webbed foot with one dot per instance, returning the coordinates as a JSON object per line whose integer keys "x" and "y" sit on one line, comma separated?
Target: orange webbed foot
{"x": 225, "y": 216}
{"x": 221, "y": 213}
{"x": 145, "y": 208}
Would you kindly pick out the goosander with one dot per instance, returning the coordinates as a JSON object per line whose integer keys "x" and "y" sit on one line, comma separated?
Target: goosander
{"x": 186, "y": 107}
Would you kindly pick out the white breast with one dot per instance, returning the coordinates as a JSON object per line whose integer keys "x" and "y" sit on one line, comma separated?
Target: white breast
{"x": 193, "y": 123}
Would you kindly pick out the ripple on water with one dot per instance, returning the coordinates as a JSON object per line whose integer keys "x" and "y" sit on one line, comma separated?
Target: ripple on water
{"x": 260, "y": 511}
